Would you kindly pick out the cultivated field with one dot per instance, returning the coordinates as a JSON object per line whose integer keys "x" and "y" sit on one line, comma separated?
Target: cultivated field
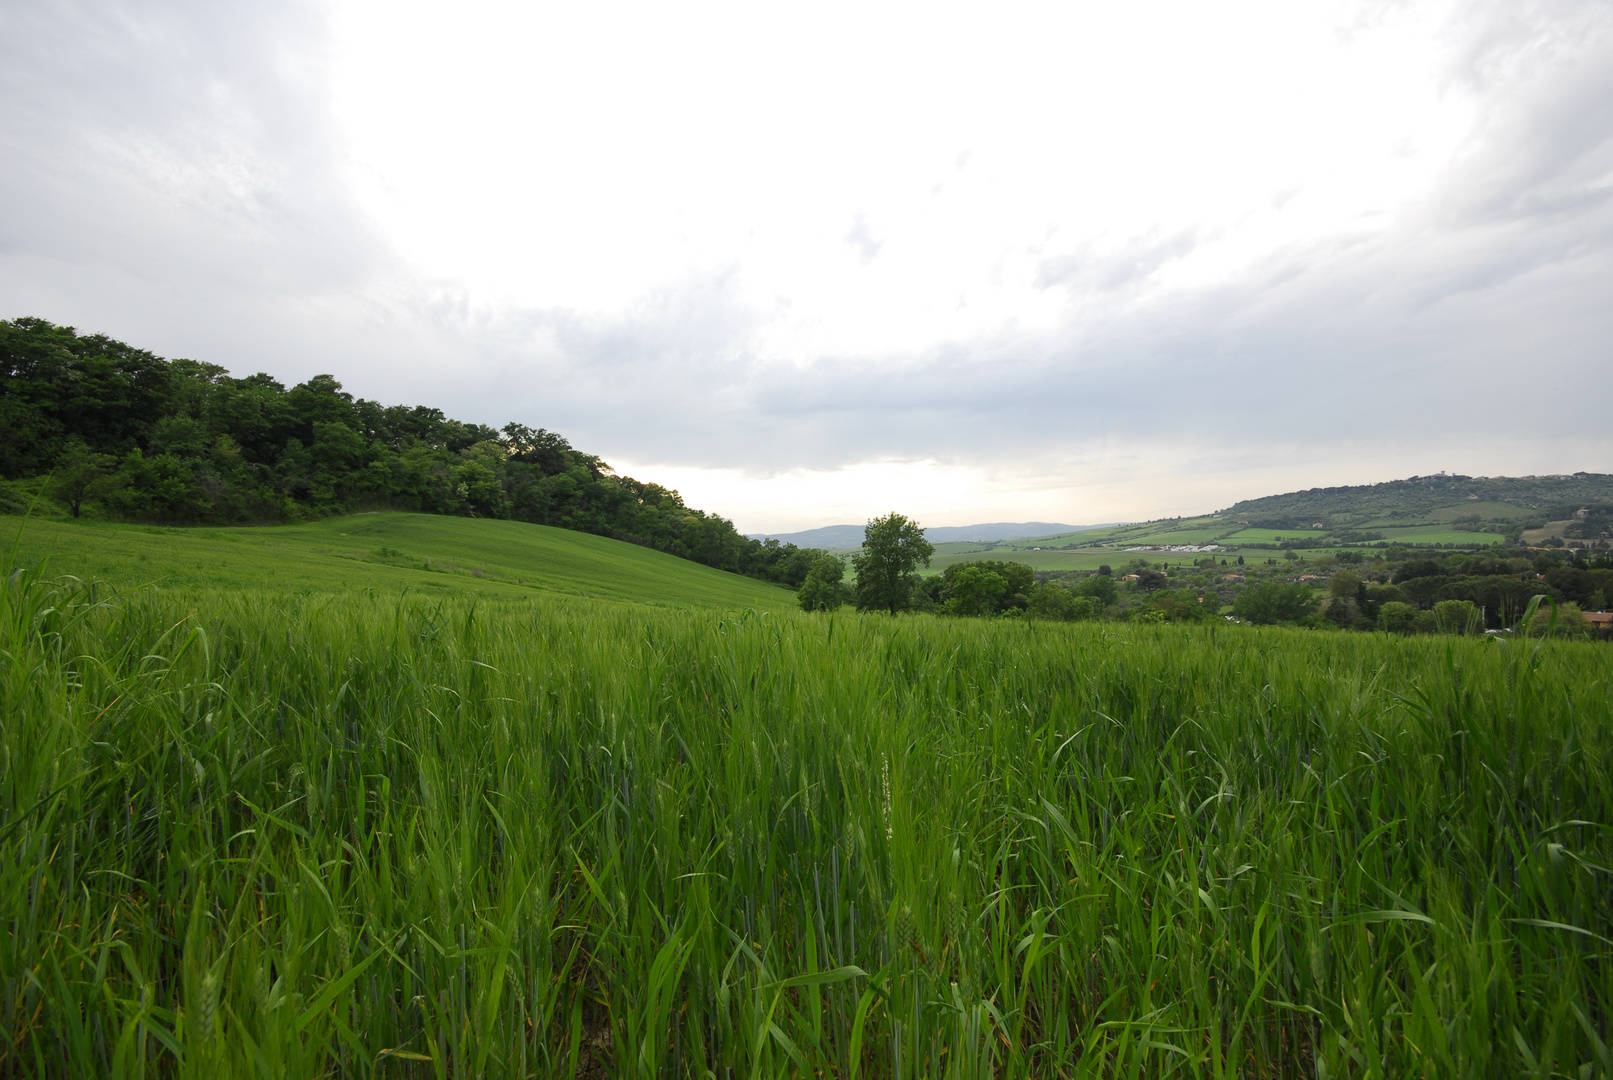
{"x": 250, "y": 832}
{"x": 1041, "y": 560}
{"x": 442, "y": 556}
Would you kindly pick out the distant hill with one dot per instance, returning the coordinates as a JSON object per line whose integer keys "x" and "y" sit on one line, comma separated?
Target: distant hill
{"x": 1495, "y": 498}
{"x": 850, "y": 536}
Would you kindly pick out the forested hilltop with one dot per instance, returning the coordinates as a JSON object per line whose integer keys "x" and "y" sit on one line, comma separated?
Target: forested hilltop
{"x": 101, "y": 427}
{"x": 1502, "y": 502}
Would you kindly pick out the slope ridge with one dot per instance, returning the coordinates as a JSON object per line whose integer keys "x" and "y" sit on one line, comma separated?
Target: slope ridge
{"x": 389, "y": 551}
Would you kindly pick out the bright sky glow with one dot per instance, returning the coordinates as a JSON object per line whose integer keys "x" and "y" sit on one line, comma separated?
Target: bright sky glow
{"x": 1050, "y": 261}
{"x": 880, "y": 184}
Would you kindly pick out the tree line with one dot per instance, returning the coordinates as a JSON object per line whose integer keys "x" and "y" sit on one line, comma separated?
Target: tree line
{"x": 100, "y": 426}
{"x": 885, "y": 578}
{"x": 1398, "y": 591}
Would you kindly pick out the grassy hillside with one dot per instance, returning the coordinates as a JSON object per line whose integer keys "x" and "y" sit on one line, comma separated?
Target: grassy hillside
{"x": 248, "y": 833}
{"x": 426, "y": 553}
{"x": 1425, "y": 497}
{"x": 1433, "y": 512}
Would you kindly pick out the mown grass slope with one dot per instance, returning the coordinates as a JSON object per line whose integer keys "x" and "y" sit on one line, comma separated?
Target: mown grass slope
{"x": 248, "y": 833}
{"x": 391, "y": 552}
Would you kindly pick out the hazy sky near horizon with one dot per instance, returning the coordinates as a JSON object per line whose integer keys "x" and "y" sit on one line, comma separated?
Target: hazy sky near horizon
{"x": 1062, "y": 262}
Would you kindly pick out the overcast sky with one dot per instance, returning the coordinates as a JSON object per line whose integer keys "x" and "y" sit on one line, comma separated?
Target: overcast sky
{"x": 1072, "y": 262}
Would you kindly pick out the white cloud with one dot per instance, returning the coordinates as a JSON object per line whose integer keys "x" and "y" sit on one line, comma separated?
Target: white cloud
{"x": 1085, "y": 262}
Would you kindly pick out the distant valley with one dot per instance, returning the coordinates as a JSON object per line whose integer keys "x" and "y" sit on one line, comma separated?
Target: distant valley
{"x": 851, "y": 536}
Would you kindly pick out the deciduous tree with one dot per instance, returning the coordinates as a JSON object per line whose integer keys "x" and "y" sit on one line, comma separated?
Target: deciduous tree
{"x": 824, "y": 588}
{"x": 80, "y": 475}
{"x": 1275, "y": 602}
{"x": 893, "y": 548}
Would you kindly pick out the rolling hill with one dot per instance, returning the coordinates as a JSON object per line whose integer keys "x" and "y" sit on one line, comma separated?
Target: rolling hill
{"x": 842, "y": 537}
{"x": 1502, "y": 498}
{"x": 1444, "y": 511}
{"x": 390, "y": 551}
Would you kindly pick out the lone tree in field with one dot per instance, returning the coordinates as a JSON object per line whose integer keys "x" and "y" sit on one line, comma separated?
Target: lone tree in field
{"x": 893, "y": 547}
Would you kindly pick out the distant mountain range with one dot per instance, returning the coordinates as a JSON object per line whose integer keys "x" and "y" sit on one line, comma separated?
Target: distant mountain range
{"x": 851, "y": 536}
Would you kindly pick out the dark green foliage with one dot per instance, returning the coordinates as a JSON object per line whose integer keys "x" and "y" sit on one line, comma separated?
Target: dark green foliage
{"x": 1379, "y": 594}
{"x": 1419, "y": 568}
{"x": 1457, "y": 617}
{"x": 1050, "y": 600}
{"x": 1185, "y": 605}
{"x": 1397, "y": 617}
{"x": 80, "y": 474}
{"x": 55, "y": 385}
{"x": 1347, "y": 602}
{"x": 1100, "y": 587}
{"x": 982, "y": 587}
{"x": 976, "y": 590}
{"x": 1275, "y": 602}
{"x": 1577, "y": 585}
{"x": 893, "y": 548}
{"x": 1346, "y": 583}
{"x": 824, "y": 588}
{"x": 1149, "y": 579}
{"x": 181, "y": 442}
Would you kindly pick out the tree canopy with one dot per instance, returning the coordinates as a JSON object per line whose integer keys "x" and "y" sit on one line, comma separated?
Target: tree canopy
{"x": 1275, "y": 602}
{"x": 824, "y": 588}
{"x": 98, "y": 423}
{"x": 893, "y": 549}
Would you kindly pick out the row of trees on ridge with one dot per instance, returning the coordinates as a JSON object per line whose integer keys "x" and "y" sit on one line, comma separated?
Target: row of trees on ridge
{"x": 105, "y": 428}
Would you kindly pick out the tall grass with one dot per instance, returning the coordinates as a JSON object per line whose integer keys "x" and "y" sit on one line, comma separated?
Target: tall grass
{"x": 253, "y": 835}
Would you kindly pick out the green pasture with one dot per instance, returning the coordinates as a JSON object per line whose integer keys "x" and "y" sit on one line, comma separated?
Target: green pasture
{"x": 1487, "y": 510}
{"x": 1270, "y": 536}
{"x": 1437, "y": 535}
{"x": 1133, "y": 534}
{"x": 263, "y": 832}
{"x": 1042, "y": 560}
{"x": 970, "y": 547}
{"x": 1173, "y": 537}
{"x": 448, "y": 556}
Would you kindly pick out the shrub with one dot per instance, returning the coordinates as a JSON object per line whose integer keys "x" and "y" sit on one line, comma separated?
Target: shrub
{"x": 1397, "y": 617}
{"x": 1385, "y": 594}
{"x": 1275, "y": 602}
{"x": 1100, "y": 588}
{"x": 1570, "y": 622}
{"x": 824, "y": 588}
{"x": 975, "y": 591}
{"x": 1050, "y": 601}
{"x": 1186, "y": 606}
{"x": 1458, "y": 617}
{"x": 1342, "y": 610}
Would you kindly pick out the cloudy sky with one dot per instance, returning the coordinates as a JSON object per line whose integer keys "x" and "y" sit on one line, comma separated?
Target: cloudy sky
{"x": 1066, "y": 262}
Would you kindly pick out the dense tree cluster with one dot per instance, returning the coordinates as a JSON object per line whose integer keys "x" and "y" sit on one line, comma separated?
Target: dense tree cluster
{"x": 1399, "y": 591}
{"x": 893, "y": 549}
{"x": 825, "y": 587}
{"x": 95, "y": 423}
{"x": 1487, "y": 591}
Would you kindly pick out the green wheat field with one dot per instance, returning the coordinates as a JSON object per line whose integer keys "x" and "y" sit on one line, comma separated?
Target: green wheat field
{"x": 508, "y": 831}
